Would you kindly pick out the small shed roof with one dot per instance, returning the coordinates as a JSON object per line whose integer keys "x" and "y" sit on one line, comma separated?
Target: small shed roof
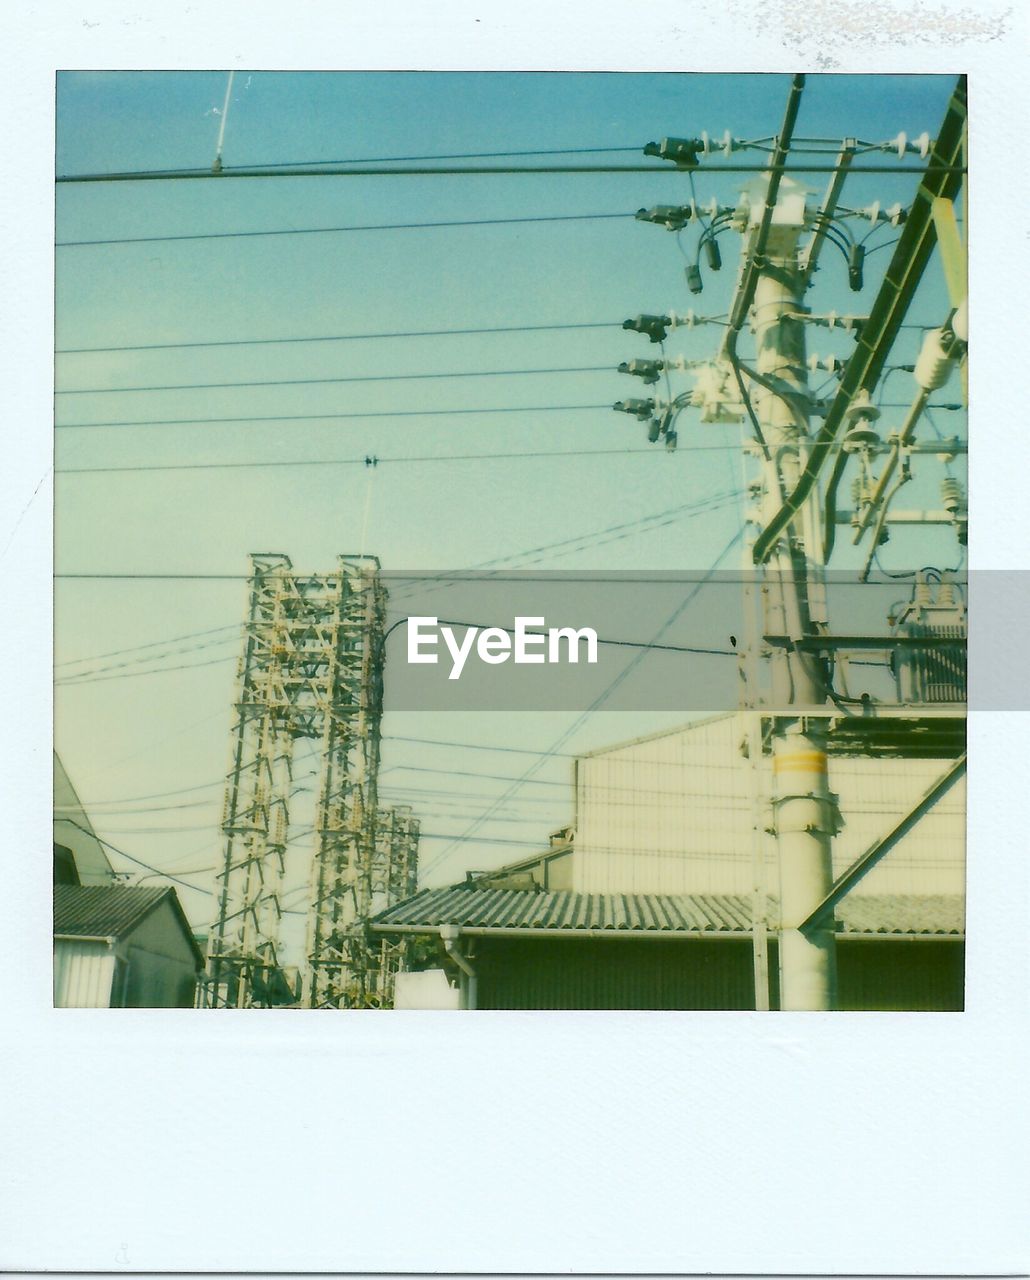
{"x": 111, "y": 911}
{"x": 485, "y": 911}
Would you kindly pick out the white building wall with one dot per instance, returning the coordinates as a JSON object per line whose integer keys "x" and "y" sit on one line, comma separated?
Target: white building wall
{"x": 72, "y": 828}
{"x": 674, "y": 814}
{"x": 83, "y": 973}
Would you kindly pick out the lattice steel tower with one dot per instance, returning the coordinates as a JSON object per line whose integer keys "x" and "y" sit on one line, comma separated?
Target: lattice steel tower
{"x": 394, "y": 876}
{"x": 312, "y": 667}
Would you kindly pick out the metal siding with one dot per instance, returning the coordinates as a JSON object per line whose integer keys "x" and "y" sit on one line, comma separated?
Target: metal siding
{"x": 601, "y": 974}
{"x": 162, "y": 971}
{"x": 83, "y": 972}
{"x": 665, "y": 815}
{"x": 673, "y": 814}
{"x": 100, "y": 911}
{"x": 891, "y": 975}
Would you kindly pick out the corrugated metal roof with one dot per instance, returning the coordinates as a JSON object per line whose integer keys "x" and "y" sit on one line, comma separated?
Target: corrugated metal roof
{"x": 102, "y": 911}
{"x": 490, "y": 909}
{"x": 904, "y": 913}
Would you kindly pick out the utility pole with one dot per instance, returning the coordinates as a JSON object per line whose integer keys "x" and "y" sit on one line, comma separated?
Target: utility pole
{"x": 786, "y": 614}
{"x": 772, "y": 285}
{"x": 804, "y": 813}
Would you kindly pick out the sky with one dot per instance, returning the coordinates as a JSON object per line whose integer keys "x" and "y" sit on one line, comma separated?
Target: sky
{"x": 144, "y": 269}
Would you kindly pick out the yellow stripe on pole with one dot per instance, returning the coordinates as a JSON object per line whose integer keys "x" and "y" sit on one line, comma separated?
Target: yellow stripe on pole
{"x": 800, "y": 762}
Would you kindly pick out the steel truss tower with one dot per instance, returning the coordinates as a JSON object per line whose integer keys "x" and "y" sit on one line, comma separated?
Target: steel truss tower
{"x": 312, "y": 668}
{"x": 394, "y": 876}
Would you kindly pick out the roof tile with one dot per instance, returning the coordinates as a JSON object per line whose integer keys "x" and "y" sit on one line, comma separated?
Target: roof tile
{"x": 475, "y": 908}
{"x": 102, "y": 911}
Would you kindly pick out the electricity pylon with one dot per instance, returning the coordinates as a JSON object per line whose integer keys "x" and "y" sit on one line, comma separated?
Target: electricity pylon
{"x": 312, "y": 668}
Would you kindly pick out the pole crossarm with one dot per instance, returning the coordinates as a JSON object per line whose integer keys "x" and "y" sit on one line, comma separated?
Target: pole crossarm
{"x": 887, "y": 314}
{"x": 863, "y": 865}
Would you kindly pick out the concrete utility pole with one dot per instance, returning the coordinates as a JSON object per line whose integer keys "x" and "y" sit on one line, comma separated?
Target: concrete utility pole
{"x": 804, "y": 811}
{"x": 792, "y": 720}
{"x": 772, "y": 284}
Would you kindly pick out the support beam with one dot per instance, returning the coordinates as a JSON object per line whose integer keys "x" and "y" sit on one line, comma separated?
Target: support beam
{"x": 882, "y": 847}
{"x": 953, "y": 253}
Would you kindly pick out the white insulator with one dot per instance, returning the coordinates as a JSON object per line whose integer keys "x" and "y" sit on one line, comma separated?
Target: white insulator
{"x": 900, "y": 143}
{"x": 933, "y": 368}
{"x": 923, "y": 143}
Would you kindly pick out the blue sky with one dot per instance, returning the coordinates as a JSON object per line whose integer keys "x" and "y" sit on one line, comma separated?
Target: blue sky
{"x": 124, "y": 735}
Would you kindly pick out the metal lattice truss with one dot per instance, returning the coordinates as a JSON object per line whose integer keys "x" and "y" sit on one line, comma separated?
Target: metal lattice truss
{"x": 394, "y": 876}
{"x": 312, "y": 668}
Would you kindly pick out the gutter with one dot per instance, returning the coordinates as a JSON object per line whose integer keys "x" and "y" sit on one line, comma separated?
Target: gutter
{"x": 449, "y": 934}
{"x": 654, "y": 935}
{"x": 514, "y": 931}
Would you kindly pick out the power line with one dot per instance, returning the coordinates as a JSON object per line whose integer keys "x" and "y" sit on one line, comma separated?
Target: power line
{"x": 562, "y": 546}
{"x": 139, "y": 862}
{"x": 450, "y": 171}
{"x": 815, "y": 146}
{"x": 378, "y": 413}
{"x": 156, "y": 657}
{"x": 153, "y": 644}
{"x": 304, "y": 382}
{"x": 621, "y": 644}
{"x": 72, "y": 682}
{"x": 380, "y": 461}
{"x": 154, "y": 795}
{"x": 476, "y": 746}
{"x": 321, "y": 231}
{"x": 687, "y": 510}
{"x": 342, "y": 337}
{"x": 456, "y": 155}
{"x": 106, "y": 813}
{"x": 336, "y": 417}
{"x": 597, "y": 702}
{"x": 358, "y": 337}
